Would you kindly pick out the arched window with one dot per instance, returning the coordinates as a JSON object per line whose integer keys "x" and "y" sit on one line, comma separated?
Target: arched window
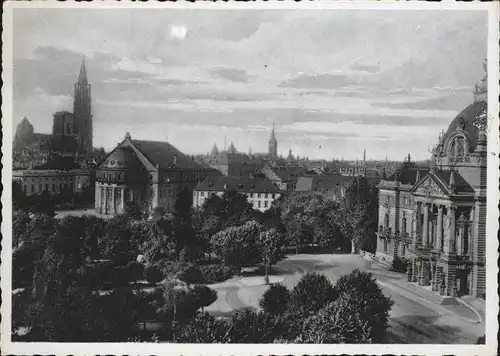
{"x": 403, "y": 226}
{"x": 386, "y": 220}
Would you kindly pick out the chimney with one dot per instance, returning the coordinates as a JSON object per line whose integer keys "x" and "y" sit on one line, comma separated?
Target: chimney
{"x": 127, "y": 136}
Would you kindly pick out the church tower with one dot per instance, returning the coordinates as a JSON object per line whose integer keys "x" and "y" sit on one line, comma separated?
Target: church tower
{"x": 273, "y": 145}
{"x": 82, "y": 111}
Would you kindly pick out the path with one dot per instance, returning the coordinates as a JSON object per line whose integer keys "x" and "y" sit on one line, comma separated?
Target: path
{"x": 413, "y": 319}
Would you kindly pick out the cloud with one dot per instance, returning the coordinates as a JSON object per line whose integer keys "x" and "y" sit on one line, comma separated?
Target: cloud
{"x": 450, "y": 102}
{"x": 232, "y": 74}
{"x": 235, "y": 72}
{"x": 369, "y": 68}
{"x": 324, "y": 81}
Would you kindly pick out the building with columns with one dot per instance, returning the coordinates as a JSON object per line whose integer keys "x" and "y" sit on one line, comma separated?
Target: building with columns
{"x": 436, "y": 217}
{"x": 149, "y": 173}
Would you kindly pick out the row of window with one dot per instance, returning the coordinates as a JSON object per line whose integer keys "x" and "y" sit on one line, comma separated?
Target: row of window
{"x": 42, "y": 187}
{"x": 53, "y": 178}
{"x": 249, "y": 195}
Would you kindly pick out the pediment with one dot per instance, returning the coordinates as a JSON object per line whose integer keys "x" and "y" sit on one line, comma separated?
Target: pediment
{"x": 429, "y": 186}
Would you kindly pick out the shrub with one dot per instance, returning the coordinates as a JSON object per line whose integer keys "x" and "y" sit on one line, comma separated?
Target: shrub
{"x": 120, "y": 276}
{"x": 216, "y": 273}
{"x": 374, "y": 305}
{"x": 191, "y": 275}
{"x": 340, "y": 322}
{"x": 135, "y": 270}
{"x": 153, "y": 274}
{"x": 399, "y": 264}
{"x": 312, "y": 293}
{"x": 203, "y": 296}
{"x": 275, "y": 300}
{"x": 481, "y": 340}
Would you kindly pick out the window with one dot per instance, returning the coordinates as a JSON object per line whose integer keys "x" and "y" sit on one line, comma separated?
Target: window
{"x": 25, "y": 188}
{"x": 40, "y": 187}
{"x": 32, "y": 188}
{"x": 403, "y": 225}
{"x": 259, "y": 204}
{"x": 406, "y": 201}
{"x": 385, "y": 246}
{"x": 266, "y": 204}
{"x": 46, "y": 187}
{"x": 53, "y": 187}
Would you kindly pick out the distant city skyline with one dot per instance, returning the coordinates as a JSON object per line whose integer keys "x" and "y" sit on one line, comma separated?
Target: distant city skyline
{"x": 353, "y": 82}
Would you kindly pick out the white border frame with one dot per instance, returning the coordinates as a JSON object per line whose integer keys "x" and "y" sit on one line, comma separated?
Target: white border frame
{"x": 492, "y": 301}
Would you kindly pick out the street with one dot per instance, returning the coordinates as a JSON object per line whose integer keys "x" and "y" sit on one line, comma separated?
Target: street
{"x": 413, "y": 319}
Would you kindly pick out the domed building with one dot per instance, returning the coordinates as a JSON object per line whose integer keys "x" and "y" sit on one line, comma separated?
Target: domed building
{"x": 149, "y": 173}
{"x": 436, "y": 216}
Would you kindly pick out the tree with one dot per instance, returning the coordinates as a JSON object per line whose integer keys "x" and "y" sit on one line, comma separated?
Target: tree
{"x": 275, "y": 300}
{"x": 248, "y": 326}
{"x": 153, "y": 274}
{"x": 115, "y": 244}
{"x": 132, "y": 210}
{"x": 237, "y": 245}
{"x": 312, "y": 293}
{"x": 374, "y": 306}
{"x": 158, "y": 244}
{"x": 270, "y": 246}
{"x": 339, "y": 322}
{"x": 203, "y": 296}
{"x": 204, "y": 328}
{"x": 182, "y": 224}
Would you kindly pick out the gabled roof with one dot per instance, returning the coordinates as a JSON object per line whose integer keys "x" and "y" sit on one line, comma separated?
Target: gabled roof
{"x": 164, "y": 154}
{"x": 408, "y": 173}
{"x": 318, "y": 183}
{"x": 240, "y": 184}
{"x": 442, "y": 180}
{"x": 461, "y": 184}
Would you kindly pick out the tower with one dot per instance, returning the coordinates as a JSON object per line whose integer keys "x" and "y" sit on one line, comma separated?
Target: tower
{"x": 82, "y": 110}
{"x": 273, "y": 145}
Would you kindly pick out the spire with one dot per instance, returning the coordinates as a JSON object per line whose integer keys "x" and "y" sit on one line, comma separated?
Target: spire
{"x": 273, "y": 135}
{"x": 82, "y": 77}
{"x": 215, "y": 150}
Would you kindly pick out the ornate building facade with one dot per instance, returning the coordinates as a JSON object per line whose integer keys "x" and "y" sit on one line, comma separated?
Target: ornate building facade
{"x": 437, "y": 217}
{"x": 148, "y": 173}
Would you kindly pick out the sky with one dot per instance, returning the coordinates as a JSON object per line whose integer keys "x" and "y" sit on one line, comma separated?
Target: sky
{"x": 334, "y": 82}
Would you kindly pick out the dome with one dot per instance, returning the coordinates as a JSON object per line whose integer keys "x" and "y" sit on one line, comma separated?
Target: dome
{"x": 466, "y": 122}
{"x": 122, "y": 158}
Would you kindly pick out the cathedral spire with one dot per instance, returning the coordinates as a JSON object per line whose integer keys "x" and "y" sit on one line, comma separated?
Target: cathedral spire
{"x": 82, "y": 77}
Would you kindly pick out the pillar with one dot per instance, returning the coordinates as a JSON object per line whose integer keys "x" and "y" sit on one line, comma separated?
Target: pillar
{"x": 449, "y": 232}
{"x": 426, "y": 225}
{"x": 460, "y": 240}
{"x": 439, "y": 235}
{"x": 425, "y": 273}
{"x": 123, "y": 200}
{"x": 113, "y": 200}
{"x": 97, "y": 198}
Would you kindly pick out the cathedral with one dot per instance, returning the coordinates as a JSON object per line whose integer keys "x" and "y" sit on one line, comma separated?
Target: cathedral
{"x": 71, "y": 132}
{"x": 435, "y": 216}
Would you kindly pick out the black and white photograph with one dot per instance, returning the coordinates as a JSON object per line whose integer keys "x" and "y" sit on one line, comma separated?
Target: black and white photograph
{"x": 287, "y": 176}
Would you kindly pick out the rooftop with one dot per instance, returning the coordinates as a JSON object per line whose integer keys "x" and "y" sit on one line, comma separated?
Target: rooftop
{"x": 240, "y": 184}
